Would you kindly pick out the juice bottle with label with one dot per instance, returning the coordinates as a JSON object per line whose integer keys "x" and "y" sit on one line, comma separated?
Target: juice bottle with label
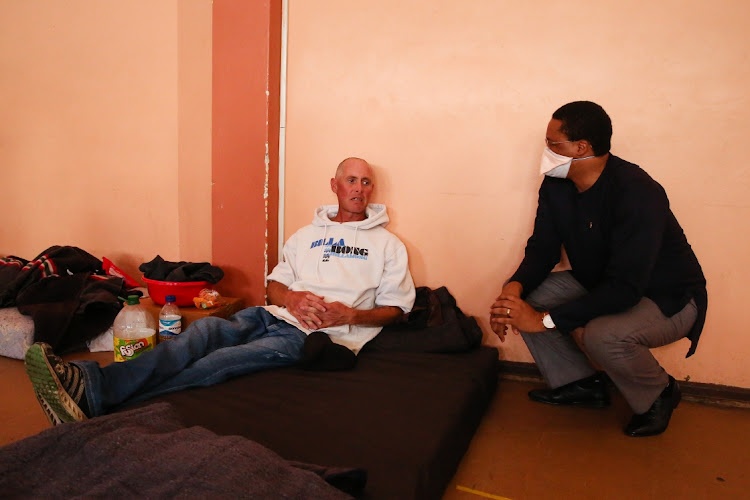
{"x": 134, "y": 330}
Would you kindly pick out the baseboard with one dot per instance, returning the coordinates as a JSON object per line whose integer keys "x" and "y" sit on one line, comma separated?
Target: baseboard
{"x": 516, "y": 370}
{"x": 711, "y": 394}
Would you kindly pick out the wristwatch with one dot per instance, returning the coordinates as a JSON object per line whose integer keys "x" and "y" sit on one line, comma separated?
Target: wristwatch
{"x": 547, "y": 321}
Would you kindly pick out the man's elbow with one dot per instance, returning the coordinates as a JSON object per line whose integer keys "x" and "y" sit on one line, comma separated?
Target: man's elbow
{"x": 396, "y": 315}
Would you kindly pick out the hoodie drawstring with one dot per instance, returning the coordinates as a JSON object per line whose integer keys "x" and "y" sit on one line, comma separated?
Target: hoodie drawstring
{"x": 322, "y": 249}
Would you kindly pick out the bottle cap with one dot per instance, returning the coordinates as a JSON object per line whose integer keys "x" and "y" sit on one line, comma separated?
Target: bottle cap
{"x": 133, "y": 300}
{"x": 170, "y": 298}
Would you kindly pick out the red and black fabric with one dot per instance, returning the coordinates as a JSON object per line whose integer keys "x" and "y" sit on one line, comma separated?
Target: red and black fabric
{"x": 65, "y": 292}
{"x": 56, "y": 260}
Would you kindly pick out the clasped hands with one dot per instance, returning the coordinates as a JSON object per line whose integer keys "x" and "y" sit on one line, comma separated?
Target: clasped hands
{"x": 510, "y": 312}
{"x": 313, "y": 312}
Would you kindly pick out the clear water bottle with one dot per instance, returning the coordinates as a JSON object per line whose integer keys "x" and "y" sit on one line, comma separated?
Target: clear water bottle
{"x": 170, "y": 320}
{"x": 134, "y": 330}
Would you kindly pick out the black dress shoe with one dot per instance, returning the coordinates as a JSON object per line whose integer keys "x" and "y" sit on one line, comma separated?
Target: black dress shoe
{"x": 591, "y": 392}
{"x": 656, "y": 419}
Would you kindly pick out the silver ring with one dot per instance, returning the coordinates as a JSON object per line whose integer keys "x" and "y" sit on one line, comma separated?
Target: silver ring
{"x": 509, "y": 312}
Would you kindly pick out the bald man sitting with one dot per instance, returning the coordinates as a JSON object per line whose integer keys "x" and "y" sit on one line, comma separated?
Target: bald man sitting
{"x": 344, "y": 275}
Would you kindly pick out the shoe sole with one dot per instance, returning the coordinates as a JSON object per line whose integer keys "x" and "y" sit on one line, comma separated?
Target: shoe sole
{"x": 57, "y": 404}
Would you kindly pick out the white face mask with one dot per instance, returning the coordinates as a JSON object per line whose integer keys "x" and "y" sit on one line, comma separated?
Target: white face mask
{"x": 555, "y": 165}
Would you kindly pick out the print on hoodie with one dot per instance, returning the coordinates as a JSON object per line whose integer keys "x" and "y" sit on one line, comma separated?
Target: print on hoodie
{"x": 360, "y": 264}
{"x": 339, "y": 249}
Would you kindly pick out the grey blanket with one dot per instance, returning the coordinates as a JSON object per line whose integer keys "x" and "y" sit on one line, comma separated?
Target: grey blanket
{"x": 148, "y": 453}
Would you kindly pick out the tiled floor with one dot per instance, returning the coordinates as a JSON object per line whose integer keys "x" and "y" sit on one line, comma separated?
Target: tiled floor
{"x": 525, "y": 450}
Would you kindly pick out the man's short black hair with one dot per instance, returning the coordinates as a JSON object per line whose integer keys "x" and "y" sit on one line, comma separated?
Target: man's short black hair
{"x": 585, "y": 120}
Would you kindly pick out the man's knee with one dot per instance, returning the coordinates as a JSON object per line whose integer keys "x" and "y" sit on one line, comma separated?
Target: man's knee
{"x": 205, "y": 325}
{"x": 557, "y": 289}
{"x": 539, "y": 303}
{"x": 605, "y": 340}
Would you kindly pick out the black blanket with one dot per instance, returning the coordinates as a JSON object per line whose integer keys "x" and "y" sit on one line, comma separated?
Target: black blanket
{"x": 148, "y": 453}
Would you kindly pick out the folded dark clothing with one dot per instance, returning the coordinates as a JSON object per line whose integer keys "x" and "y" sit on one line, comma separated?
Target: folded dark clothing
{"x": 162, "y": 270}
{"x": 436, "y": 324}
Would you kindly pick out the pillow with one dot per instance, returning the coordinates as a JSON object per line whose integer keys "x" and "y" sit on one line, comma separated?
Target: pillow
{"x": 16, "y": 333}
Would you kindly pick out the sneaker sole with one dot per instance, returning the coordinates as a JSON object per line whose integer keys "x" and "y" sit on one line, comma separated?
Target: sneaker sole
{"x": 57, "y": 404}
{"x": 48, "y": 412}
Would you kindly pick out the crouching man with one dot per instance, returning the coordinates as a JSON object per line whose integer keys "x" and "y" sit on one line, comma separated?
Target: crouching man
{"x": 635, "y": 282}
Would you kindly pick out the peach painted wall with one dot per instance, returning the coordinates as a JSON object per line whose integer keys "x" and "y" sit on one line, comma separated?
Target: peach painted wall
{"x": 450, "y": 100}
{"x": 105, "y": 134}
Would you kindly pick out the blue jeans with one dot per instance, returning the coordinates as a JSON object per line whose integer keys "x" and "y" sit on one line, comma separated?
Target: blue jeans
{"x": 209, "y": 351}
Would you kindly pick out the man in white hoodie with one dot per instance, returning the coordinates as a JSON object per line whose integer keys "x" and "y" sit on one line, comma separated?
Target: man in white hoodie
{"x": 344, "y": 275}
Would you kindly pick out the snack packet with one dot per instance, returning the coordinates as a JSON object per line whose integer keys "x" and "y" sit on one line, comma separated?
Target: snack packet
{"x": 207, "y": 298}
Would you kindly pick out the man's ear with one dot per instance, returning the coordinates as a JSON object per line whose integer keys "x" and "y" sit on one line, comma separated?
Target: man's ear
{"x": 334, "y": 187}
{"x": 584, "y": 146}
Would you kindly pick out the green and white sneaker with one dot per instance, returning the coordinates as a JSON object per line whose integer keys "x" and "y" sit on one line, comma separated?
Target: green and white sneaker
{"x": 58, "y": 385}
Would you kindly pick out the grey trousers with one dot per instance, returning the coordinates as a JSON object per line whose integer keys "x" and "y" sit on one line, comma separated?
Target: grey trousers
{"x": 619, "y": 343}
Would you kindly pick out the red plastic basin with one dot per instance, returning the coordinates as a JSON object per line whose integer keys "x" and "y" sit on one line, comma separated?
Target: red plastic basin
{"x": 184, "y": 291}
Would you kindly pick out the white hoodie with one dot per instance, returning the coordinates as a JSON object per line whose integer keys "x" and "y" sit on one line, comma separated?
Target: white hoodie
{"x": 360, "y": 264}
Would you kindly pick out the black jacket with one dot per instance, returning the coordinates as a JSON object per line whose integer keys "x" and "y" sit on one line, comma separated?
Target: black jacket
{"x": 623, "y": 243}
